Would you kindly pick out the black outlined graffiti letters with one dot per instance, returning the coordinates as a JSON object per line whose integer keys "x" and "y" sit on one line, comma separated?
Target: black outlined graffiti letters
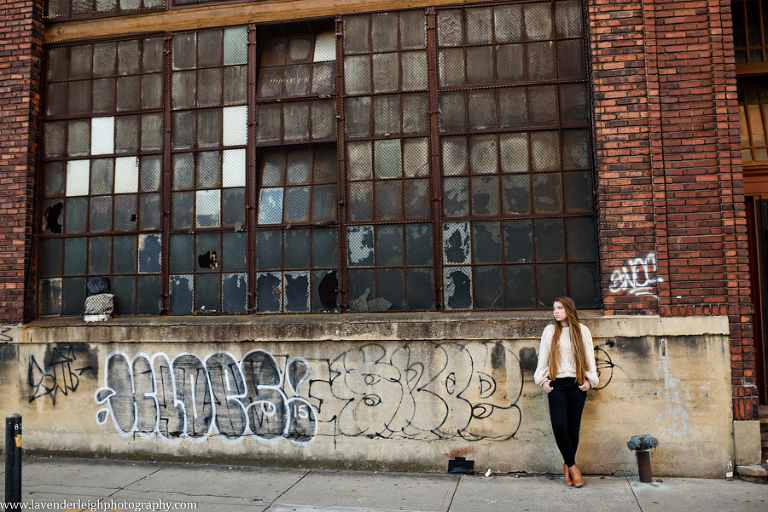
{"x": 417, "y": 390}
{"x": 59, "y": 372}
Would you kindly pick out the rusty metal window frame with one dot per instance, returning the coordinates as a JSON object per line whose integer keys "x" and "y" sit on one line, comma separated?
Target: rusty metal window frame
{"x": 750, "y": 30}
{"x": 423, "y": 263}
{"x": 753, "y": 121}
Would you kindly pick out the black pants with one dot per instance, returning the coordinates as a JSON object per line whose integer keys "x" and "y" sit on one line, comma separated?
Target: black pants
{"x": 566, "y": 402}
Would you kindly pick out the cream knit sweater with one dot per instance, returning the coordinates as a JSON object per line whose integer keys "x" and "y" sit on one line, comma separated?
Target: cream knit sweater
{"x": 567, "y": 363}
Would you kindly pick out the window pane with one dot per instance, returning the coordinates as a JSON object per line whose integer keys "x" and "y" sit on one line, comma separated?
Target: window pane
{"x": 182, "y": 253}
{"x": 207, "y": 292}
{"x": 457, "y": 282}
{"x": 488, "y": 294}
{"x": 520, "y": 286}
{"x": 518, "y": 241}
{"x": 456, "y": 197}
{"x": 547, "y": 191}
{"x": 545, "y": 149}
{"x": 420, "y": 288}
{"x": 389, "y": 246}
{"x": 297, "y": 292}
{"x": 148, "y": 295}
{"x": 456, "y": 243}
{"x": 419, "y": 244}
{"x": 485, "y": 196}
{"x": 297, "y": 249}
{"x": 325, "y": 248}
{"x": 517, "y": 194}
{"x": 486, "y": 239}
{"x": 271, "y": 206}
{"x": 581, "y": 238}
{"x": 389, "y": 200}
{"x": 360, "y": 204}
{"x": 390, "y": 291}
{"x": 360, "y": 246}
{"x": 548, "y": 235}
{"x": 182, "y": 293}
{"x": 268, "y": 250}
{"x": 269, "y": 292}
{"x": 386, "y": 72}
{"x": 387, "y": 163}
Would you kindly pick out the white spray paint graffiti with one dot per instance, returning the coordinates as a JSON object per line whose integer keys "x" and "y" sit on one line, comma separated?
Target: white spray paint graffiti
{"x": 414, "y": 390}
{"x": 638, "y": 278}
{"x": 189, "y": 398}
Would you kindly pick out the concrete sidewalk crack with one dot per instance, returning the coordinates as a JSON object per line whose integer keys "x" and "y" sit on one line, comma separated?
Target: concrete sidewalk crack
{"x": 640, "y": 507}
{"x": 455, "y": 490}
{"x": 139, "y": 480}
{"x": 288, "y": 489}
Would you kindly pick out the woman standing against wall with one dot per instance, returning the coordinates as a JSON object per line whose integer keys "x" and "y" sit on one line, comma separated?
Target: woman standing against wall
{"x": 566, "y": 371}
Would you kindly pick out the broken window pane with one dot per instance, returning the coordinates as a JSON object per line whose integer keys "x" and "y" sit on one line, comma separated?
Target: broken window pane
{"x": 360, "y": 246}
{"x": 126, "y": 212}
{"x": 269, "y": 292}
{"x": 234, "y": 293}
{"x": 208, "y": 249}
{"x": 457, "y": 282}
{"x": 325, "y": 290}
{"x": 149, "y": 254}
{"x": 456, "y": 243}
{"x": 488, "y": 293}
{"x": 271, "y": 206}
{"x": 390, "y": 290}
{"x": 182, "y": 294}
{"x": 296, "y": 291}
{"x": 50, "y": 296}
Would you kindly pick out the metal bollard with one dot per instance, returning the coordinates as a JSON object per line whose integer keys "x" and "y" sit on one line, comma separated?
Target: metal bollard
{"x": 13, "y": 459}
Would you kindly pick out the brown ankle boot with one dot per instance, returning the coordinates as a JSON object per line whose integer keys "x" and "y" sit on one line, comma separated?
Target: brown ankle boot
{"x": 576, "y": 478}
{"x": 567, "y": 475}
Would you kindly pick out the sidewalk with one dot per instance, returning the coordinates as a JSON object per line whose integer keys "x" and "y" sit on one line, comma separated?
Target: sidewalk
{"x": 129, "y": 486}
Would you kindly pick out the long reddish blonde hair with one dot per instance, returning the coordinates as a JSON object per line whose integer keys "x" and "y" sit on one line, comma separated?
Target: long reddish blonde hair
{"x": 577, "y": 342}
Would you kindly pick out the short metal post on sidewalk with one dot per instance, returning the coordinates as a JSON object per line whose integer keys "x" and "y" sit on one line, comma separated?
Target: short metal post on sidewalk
{"x": 13, "y": 459}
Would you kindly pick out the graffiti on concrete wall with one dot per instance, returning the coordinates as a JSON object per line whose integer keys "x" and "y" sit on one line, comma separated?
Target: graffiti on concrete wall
{"x": 415, "y": 391}
{"x": 193, "y": 398}
{"x": 639, "y": 277}
{"x": 59, "y": 373}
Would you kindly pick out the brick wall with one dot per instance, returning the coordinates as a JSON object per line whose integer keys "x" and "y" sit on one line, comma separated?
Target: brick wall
{"x": 669, "y": 172}
{"x": 20, "y": 63}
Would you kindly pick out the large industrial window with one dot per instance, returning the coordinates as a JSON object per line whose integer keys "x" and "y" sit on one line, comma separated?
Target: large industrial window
{"x": 753, "y": 119}
{"x": 411, "y": 160}
{"x": 750, "y": 30}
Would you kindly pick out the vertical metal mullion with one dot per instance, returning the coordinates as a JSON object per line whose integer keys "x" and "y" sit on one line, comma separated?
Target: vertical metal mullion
{"x": 434, "y": 144}
{"x": 342, "y": 172}
{"x": 251, "y": 180}
{"x": 166, "y": 223}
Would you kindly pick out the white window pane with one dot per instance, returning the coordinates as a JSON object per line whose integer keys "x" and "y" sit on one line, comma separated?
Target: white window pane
{"x": 325, "y": 47}
{"x": 208, "y": 208}
{"x": 271, "y": 206}
{"x": 235, "y": 45}
{"x": 126, "y": 175}
{"x": 102, "y": 135}
{"x": 233, "y": 168}
{"x": 235, "y": 126}
{"x": 78, "y": 177}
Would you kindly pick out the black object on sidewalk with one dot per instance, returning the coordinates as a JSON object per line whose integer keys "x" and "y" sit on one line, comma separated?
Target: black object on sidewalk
{"x": 13, "y": 460}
